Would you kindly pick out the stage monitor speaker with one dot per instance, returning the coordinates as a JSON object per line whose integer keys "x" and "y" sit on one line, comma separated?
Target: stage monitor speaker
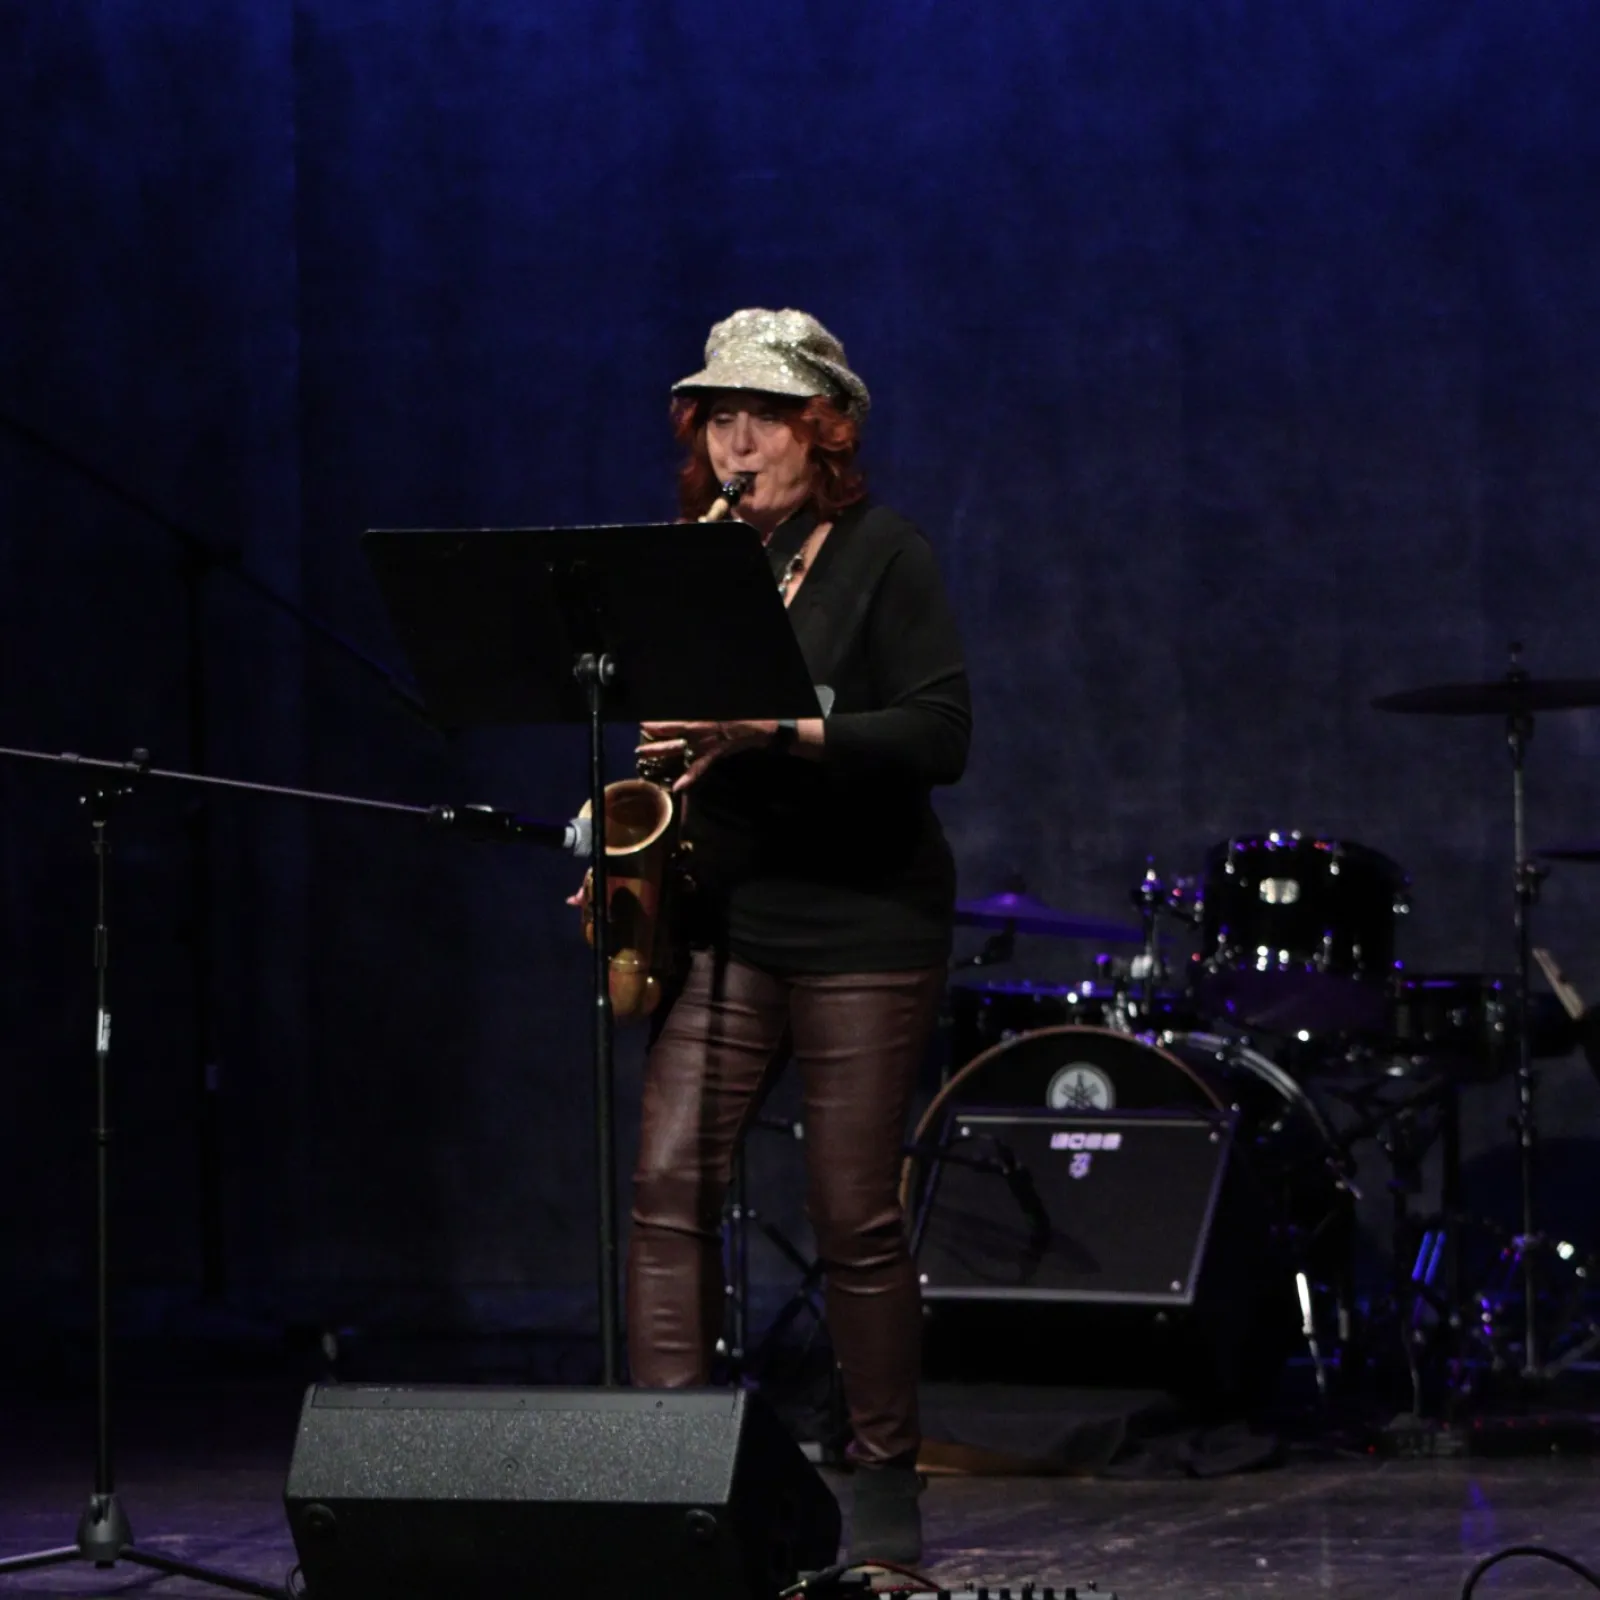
{"x": 422, "y": 1493}
{"x": 1100, "y": 1249}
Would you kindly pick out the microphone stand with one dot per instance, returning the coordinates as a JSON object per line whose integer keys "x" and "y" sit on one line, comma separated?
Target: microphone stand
{"x": 473, "y": 821}
{"x": 105, "y": 1535}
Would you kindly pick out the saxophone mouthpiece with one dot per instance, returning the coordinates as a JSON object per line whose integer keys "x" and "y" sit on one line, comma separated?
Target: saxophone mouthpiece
{"x": 733, "y": 491}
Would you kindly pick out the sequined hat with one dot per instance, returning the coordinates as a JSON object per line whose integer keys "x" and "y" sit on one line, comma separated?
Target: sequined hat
{"x": 778, "y": 352}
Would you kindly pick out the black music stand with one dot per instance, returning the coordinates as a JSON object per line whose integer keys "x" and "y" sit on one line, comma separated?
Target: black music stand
{"x": 636, "y": 623}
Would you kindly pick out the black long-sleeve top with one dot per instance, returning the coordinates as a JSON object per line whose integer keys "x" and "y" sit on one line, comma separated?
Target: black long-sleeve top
{"x": 839, "y": 864}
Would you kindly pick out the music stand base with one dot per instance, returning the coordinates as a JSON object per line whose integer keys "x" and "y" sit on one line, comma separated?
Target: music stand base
{"x": 105, "y": 1538}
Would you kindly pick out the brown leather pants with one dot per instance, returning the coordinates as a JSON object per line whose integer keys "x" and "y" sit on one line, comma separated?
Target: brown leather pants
{"x": 857, "y": 1039}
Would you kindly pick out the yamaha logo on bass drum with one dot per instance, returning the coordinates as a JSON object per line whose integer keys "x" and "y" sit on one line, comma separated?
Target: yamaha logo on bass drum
{"x": 1080, "y": 1086}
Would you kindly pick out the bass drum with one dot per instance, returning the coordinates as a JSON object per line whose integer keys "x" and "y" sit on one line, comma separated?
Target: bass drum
{"x": 1286, "y": 1142}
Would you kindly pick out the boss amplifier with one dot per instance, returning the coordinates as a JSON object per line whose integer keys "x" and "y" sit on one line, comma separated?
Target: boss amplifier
{"x": 1129, "y": 1250}
{"x": 1092, "y": 1207}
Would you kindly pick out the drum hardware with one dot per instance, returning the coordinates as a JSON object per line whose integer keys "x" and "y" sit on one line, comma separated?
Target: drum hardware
{"x": 1515, "y": 697}
{"x": 1402, "y": 1129}
{"x": 1517, "y": 1256}
{"x": 1585, "y": 1021}
{"x": 739, "y": 1364}
{"x": 1298, "y": 933}
{"x": 1127, "y": 996}
{"x": 1308, "y": 1332}
{"x": 1470, "y": 1336}
{"x": 1405, "y": 1126}
{"x": 1153, "y": 899}
{"x": 738, "y": 1215}
{"x": 1447, "y": 1310}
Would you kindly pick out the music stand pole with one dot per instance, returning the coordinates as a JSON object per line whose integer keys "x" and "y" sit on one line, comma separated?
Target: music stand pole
{"x": 594, "y": 671}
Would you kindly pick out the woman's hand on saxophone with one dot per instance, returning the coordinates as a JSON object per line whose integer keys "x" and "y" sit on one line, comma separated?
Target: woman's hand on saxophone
{"x": 699, "y": 744}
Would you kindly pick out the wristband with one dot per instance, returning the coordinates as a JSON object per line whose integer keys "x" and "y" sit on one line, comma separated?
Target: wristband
{"x": 784, "y": 735}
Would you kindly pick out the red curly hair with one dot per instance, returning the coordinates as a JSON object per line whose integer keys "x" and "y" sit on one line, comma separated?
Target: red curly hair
{"x": 830, "y": 435}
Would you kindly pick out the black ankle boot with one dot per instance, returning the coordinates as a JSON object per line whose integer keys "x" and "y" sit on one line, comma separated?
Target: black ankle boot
{"x": 885, "y": 1522}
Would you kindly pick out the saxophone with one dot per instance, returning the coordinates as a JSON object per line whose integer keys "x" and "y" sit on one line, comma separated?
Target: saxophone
{"x": 646, "y": 863}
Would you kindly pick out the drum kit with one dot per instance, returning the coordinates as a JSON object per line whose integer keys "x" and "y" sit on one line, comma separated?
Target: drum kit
{"x": 1291, "y": 1011}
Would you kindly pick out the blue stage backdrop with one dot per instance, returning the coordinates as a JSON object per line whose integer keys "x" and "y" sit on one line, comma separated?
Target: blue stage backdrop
{"x": 1241, "y": 361}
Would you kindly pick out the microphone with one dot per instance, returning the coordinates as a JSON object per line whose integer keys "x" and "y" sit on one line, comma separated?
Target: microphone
{"x": 575, "y": 838}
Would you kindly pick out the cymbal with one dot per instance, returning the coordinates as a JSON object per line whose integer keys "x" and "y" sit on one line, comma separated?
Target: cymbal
{"x": 1023, "y": 914}
{"x": 1581, "y": 851}
{"x": 1500, "y": 697}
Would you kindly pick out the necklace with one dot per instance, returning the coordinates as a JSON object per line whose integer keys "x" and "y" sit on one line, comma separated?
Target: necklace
{"x": 796, "y": 565}
{"x": 788, "y": 547}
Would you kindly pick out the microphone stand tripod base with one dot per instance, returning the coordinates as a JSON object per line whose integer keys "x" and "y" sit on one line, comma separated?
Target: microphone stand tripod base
{"x": 104, "y": 1531}
{"x": 105, "y": 1539}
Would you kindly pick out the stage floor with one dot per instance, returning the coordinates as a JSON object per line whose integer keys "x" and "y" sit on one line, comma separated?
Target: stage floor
{"x": 201, "y": 1469}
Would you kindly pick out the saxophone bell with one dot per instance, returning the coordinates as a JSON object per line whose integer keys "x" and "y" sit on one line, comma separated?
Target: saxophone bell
{"x": 643, "y": 875}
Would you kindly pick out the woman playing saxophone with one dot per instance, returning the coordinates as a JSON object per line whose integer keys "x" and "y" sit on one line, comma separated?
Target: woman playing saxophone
{"x": 824, "y": 895}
